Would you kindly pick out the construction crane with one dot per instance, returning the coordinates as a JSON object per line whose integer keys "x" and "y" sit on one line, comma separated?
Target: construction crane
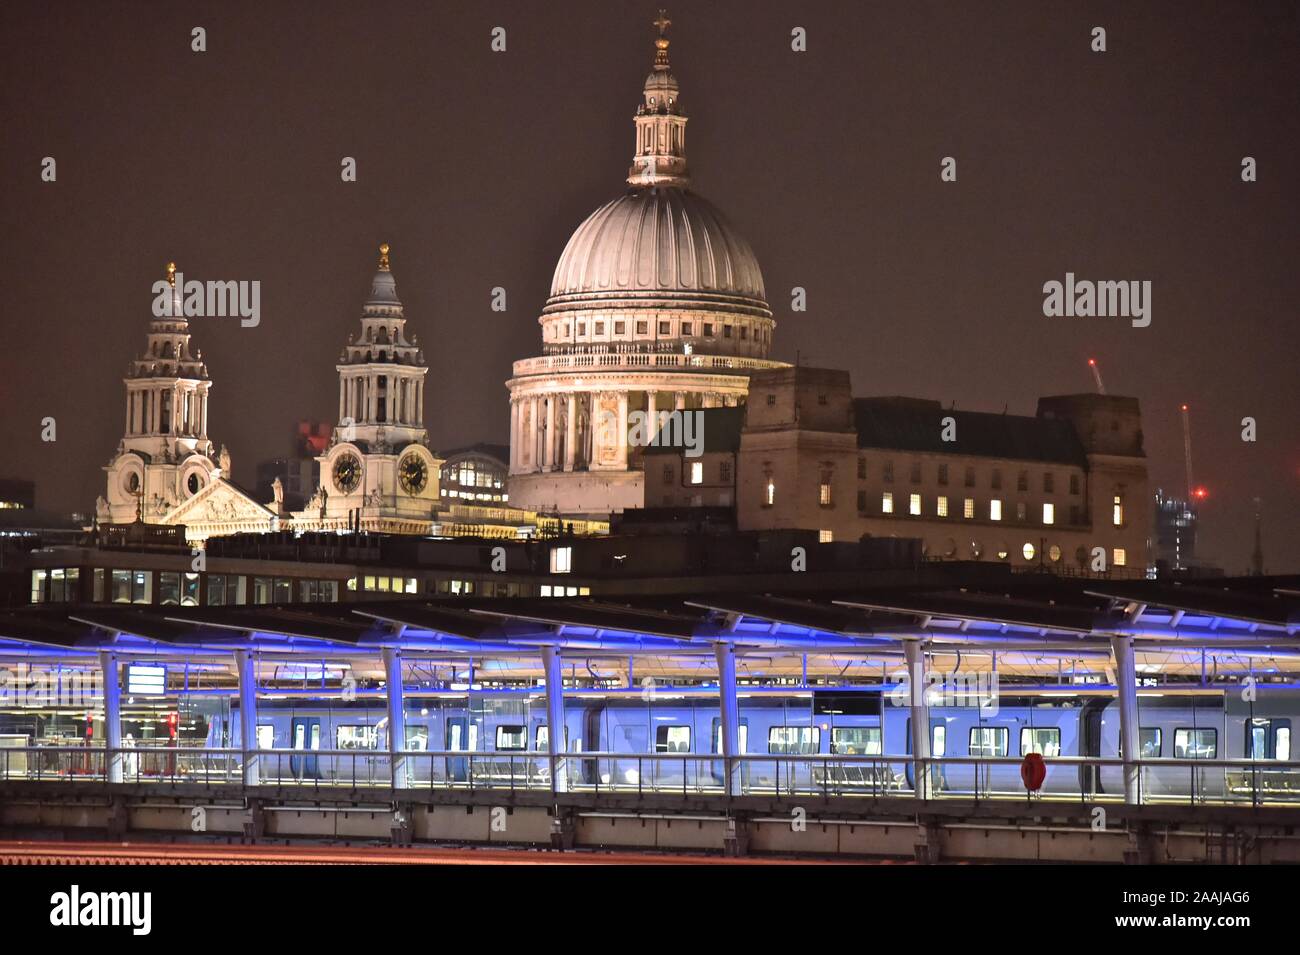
{"x": 1096, "y": 374}
{"x": 1194, "y": 493}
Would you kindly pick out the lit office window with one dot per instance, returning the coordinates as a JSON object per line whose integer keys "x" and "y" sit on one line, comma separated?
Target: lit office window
{"x": 824, "y": 494}
{"x": 995, "y": 509}
{"x": 914, "y": 505}
{"x": 941, "y": 507}
{"x": 887, "y": 503}
{"x": 1121, "y": 557}
{"x": 1049, "y": 513}
{"x": 697, "y": 472}
{"x": 561, "y": 560}
{"x": 1117, "y": 512}
{"x": 771, "y": 492}
{"x": 1028, "y": 551}
{"x": 825, "y": 537}
{"x": 968, "y": 508}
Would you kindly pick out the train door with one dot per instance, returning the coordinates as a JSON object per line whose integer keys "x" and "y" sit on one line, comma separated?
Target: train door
{"x": 592, "y": 736}
{"x": 938, "y": 747}
{"x": 304, "y": 735}
{"x": 742, "y": 731}
{"x": 1090, "y": 745}
{"x": 462, "y": 737}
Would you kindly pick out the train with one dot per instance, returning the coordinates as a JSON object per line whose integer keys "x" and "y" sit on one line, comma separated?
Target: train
{"x": 674, "y": 742}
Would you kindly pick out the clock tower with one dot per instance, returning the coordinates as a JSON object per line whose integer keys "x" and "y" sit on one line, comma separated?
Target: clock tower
{"x": 378, "y": 473}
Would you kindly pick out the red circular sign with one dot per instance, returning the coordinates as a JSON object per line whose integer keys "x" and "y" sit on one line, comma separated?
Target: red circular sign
{"x": 1033, "y": 771}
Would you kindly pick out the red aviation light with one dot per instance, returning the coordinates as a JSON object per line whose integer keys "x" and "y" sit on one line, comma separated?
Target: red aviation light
{"x": 1201, "y": 493}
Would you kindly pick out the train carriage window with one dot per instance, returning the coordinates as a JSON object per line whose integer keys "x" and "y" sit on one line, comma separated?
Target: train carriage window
{"x": 989, "y": 740}
{"x": 1043, "y": 740}
{"x": 542, "y": 739}
{"x": 672, "y": 739}
{"x": 417, "y": 738}
{"x": 1268, "y": 739}
{"x": 742, "y": 731}
{"x": 265, "y": 736}
{"x": 938, "y": 740}
{"x": 1149, "y": 742}
{"x": 794, "y": 740}
{"x": 1200, "y": 743}
{"x": 512, "y": 737}
{"x": 356, "y": 737}
{"x": 856, "y": 740}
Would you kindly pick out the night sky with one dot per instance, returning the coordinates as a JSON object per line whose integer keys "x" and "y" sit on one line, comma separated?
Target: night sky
{"x": 476, "y": 166}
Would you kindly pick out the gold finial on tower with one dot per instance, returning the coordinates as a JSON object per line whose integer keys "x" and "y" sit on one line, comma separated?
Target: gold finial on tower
{"x": 171, "y": 274}
{"x": 661, "y": 44}
{"x": 383, "y": 257}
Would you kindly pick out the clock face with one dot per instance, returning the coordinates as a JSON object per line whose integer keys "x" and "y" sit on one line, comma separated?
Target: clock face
{"x": 413, "y": 474}
{"x": 347, "y": 473}
{"x": 194, "y": 483}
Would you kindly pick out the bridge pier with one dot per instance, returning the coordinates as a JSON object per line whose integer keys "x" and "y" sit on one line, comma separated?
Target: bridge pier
{"x": 402, "y": 830}
{"x": 735, "y": 838}
{"x": 563, "y": 830}
{"x": 928, "y": 847}
{"x": 255, "y": 824}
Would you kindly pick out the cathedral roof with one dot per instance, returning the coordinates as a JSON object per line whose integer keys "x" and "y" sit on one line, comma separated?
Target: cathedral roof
{"x": 912, "y": 424}
{"x": 658, "y": 243}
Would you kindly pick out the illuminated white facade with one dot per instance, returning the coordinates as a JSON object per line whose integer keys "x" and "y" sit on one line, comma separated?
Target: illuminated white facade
{"x": 164, "y": 470}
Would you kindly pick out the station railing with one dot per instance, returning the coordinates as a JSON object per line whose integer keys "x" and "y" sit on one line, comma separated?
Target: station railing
{"x": 1087, "y": 780}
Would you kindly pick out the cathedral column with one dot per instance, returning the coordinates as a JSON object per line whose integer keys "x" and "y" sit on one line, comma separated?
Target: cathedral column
{"x": 514, "y": 435}
{"x": 622, "y": 430}
{"x": 372, "y": 398}
{"x": 548, "y": 444}
{"x": 419, "y": 402}
{"x": 679, "y": 401}
{"x": 203, "y": 415}
{"x": 571, "y": 433}
{"x": 533, "y": 436}
{"x": 343, "y": 393}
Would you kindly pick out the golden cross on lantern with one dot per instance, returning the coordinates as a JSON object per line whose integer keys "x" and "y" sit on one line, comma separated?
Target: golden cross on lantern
{"x": 383, "y": 257}
{"x": 663, "y": 23}
{"x": 171, "y": 274}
